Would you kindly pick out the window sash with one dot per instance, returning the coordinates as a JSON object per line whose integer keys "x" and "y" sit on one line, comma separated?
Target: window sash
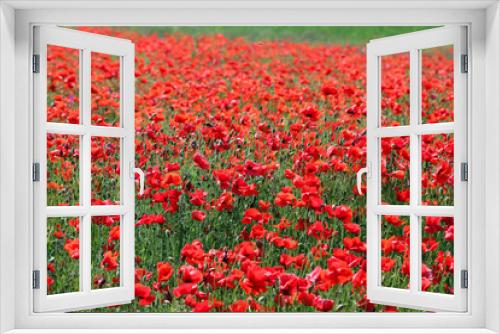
{"x": 86, "y": 43}
{"x": 413, "y": 43}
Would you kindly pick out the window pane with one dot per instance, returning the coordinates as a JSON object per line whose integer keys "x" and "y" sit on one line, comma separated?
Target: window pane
{"x": 395, "y": 170}
{"x": 395, "y": 251}
{"x": 105, "y": 80}
{"x": 437, "y": 169}
{"x": 395, "y": 89}
{"x": 437, "y": 84}
{"x": 63, "y": 169}
{"x": 63, "y": 255}
{"x": 63, "y": 87}
{"x": 105, "y": 252}
{"x": 437, "y": 254}
{"x": 105, "y": 171}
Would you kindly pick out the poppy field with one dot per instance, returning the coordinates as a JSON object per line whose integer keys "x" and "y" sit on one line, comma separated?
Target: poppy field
{"x": 250, "y": 149}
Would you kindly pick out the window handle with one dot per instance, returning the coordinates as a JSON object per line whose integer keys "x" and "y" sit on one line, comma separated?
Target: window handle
{"x": 359, "y": 177}
{"x": 141, "y": 180}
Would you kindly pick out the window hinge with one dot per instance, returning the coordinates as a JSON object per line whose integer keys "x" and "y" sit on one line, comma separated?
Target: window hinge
{"x": 36, "y": 63}
{"x": 36, "y": 279}
{"x": 36, "y": 172}
{"x": 464, "y": 279}
{"x": 465, "y": 63}
{"x": 464, "y": 171}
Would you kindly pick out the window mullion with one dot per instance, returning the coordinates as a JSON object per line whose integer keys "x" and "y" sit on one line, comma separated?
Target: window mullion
{"x": 80, "y": 130}
{"x": 414, "y": 171}
{"x": 80, "y": 211}
{"x": 85, "y": 184}
{"x": 419, "y": 210}
{"x": 420, "y": 129}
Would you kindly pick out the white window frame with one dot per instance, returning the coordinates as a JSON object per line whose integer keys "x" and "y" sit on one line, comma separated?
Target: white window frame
{"x": 85, "y": 43}
{"x": 16, "y": 21}
{"x": 413, "y": 44}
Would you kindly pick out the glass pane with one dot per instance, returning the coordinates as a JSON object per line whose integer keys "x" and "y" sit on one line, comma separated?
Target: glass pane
{"x": 63, "y": 169}
{"x": 395, "y": 251}
{"x": 105, "y": 171}
{"x": 437, "y": 84}
{"x": 63, "y": 255}
{"x": 105, "y": 81}
{"x": 395, "y": 89}
{"x": 395, "y": 170}
{"x": 105, "y": 252}
{"x": 63, "y": 86}
{"x": 437, "y": 254}
{"x": 437, "y": 169}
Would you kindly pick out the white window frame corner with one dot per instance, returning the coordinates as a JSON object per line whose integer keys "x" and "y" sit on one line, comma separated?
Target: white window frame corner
{"x": 16, "y": 20}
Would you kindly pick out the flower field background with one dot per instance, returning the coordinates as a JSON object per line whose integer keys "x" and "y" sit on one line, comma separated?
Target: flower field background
{"x": 250, "y": 138}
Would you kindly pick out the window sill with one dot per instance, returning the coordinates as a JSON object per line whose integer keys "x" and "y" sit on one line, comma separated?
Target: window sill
{"x": 254, "y": 331}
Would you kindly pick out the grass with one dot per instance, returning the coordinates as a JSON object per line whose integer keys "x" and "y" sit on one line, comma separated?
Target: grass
{"x": 344, "y": 35}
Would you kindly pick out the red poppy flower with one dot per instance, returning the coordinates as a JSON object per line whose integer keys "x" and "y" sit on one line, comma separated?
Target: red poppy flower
{"x": 284, "y": 198}
{"x": 150, "y": 219}
{"x": 198, "y": 215}
{"x": 200, "y": 161}
{"x": 144, "y": 294}
{"x": 185, "y": 289}
{"x": 164, "y": 271}
{"x": 387, "y": 264}
{"x": 239, "y": 306}
{"x": 114, "y": 234}
{"x": 198, "y": 197}
{"x": 225, "y": 202}
{"x": 72, "y": 246}
{"x": 323, "y": 305}
{"x": 110, "y": 260}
